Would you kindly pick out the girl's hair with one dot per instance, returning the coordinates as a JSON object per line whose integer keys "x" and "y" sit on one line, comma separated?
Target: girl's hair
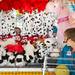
{"x": 70, "y": 33}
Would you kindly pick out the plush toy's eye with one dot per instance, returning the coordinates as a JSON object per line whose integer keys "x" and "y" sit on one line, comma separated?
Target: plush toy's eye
{"x": 13, "y": 23}
{"x": 19, "y": 60}
{"x": 38, "y": 22}
{"x": 12, "y": 61}
{"x": 2, "y": 23}
{"x": 8, "y": 18}
{"x": 32, "y": 19}
{"x": 48, "y": 41}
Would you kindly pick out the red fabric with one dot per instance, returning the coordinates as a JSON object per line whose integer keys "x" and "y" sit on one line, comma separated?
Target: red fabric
{"x": 23, "y": 5}
{"x": 18, "y": 48}
{"x": 10, "y": 48}
{"x": 14, "y": 48}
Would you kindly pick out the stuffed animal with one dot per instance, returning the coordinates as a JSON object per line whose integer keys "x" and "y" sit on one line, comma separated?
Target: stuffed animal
{"x": 11, "y": 59}
{"x": 51, "y": 50}
{"x": 49, "y": 43}
{"x": 3, "y": 62}
{"x": 40, "y": 51}
{"x": 19, "y": 61}
{"x": 29, "y": 51}
{"x": 3, "y": 58}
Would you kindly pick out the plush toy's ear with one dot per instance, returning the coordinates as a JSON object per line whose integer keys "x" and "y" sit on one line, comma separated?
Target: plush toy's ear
{"x": 6, "y": 56}
{"x": 24, "y": 57}
{"x": 1, "y": 61}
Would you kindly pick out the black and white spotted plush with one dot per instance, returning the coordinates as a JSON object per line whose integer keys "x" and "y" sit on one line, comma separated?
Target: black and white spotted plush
{"x": 40, "y": 23}
{"x": 29, "y": 52}
{"x": 11, "y": 60}
{"x": 3, "y": 57}
{"x": 19, "y": 60}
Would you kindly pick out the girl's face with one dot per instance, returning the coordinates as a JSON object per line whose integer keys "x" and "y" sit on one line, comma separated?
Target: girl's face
{"x": 69, "y": 42}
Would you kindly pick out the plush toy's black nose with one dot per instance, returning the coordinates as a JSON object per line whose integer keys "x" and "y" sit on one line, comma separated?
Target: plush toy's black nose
{"x": 1, "y": 61}
{"x": 12, "y": 61}
{"x": 19, "y": 60}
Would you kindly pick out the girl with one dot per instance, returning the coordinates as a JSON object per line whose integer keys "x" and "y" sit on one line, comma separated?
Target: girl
{"x": 67, "y": 55}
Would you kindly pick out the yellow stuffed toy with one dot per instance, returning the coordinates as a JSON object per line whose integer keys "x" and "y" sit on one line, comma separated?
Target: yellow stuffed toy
{"x": 62, "y": 70}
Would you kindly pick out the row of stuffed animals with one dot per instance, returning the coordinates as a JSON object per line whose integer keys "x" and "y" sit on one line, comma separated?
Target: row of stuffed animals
{"x": 31, "y": 24}
{"x": 14, "y": 52}
{"x": 27, "y": 38}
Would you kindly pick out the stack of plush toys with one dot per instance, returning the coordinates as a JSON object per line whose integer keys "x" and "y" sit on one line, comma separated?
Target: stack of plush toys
{"x": 19, "y": 50}
{"x": 26, "y": 38}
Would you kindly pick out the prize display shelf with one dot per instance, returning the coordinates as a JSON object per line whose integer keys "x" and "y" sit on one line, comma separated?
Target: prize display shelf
{"x": 25, "y": 71}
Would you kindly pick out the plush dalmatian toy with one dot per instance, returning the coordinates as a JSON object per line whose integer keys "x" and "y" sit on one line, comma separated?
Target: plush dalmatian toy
{"x": 7, "y": 23}
{"x": 40, "y": 51}
{"x": 51, "y": 45}
{"x": 3, "y": 58}
{"x": 29, "y": 51}
{"x": 11, "y": 59}
{"x": 49, "y": 42}
{"x": 20, "y": 61}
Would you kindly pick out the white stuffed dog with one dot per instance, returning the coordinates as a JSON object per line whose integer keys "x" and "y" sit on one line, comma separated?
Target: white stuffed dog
{"x": 29, "y": 51}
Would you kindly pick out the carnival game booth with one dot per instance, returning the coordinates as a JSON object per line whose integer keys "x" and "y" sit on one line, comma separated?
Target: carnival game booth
{"x": 29, "y": 33}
